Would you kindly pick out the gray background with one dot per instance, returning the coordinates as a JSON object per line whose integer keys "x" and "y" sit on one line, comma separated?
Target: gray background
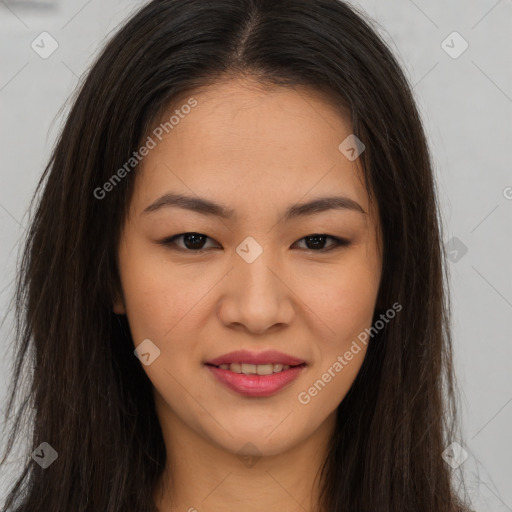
{"x": 466, "y": 104}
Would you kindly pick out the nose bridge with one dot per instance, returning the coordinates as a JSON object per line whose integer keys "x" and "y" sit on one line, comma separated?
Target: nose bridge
{"x": 253, "y": 268}
{"x": 258, "y": 295}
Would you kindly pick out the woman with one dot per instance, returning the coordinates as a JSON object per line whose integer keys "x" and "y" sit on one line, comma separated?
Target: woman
{"x": 233, "y": 281}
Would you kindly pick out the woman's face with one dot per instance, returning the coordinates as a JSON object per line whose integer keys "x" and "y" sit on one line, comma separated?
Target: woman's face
{"x": 261, "y": 282}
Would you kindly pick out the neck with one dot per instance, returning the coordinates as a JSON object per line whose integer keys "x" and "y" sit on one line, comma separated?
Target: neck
{"x": 202, "y": 476}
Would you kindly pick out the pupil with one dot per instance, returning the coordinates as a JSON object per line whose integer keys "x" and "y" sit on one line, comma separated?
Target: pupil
{"x": 196, "y": 240}
{"x": 316, "y": 244}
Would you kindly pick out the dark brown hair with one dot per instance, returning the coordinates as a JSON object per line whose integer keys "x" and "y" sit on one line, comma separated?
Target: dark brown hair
{"x": 89, "y": 397}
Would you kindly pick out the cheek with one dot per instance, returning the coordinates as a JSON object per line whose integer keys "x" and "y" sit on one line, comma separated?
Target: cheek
{"x": 353, "y": 303}
{"x": 346, "y": 308}
{"x": 344, "y": 299}
{"x": 156, "y": 295}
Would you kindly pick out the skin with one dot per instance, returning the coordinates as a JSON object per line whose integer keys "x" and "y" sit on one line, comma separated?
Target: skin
{"x": 257, "y": 151}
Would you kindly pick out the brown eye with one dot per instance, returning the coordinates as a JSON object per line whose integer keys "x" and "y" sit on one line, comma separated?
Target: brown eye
{"x": 316, "y": 242}
{"x": 195, "y": 242}
{"x": 192, "y": 242}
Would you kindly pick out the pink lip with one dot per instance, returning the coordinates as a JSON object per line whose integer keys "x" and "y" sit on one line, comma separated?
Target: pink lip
{"x": 265, "y": 357}
{"x": 256, "y": 385}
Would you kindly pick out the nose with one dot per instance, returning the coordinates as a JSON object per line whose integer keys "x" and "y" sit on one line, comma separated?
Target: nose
{"x": 257, "y": 297}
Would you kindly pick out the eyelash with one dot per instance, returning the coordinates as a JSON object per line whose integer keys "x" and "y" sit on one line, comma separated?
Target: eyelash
{"x": 170, "y": 242}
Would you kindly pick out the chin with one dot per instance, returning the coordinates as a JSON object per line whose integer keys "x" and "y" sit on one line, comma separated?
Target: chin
{"x": 258, "y": 439}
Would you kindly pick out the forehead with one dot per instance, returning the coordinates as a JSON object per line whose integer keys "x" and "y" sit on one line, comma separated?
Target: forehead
{"x": 244, "y": 143}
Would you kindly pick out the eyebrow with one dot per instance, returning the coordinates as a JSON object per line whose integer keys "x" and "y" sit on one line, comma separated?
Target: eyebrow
{"x": 206, "y": 207}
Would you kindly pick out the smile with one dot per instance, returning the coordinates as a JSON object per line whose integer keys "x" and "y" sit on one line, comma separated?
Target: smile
{"x": 255, "y": 369}
{"x": 256, "y": 380}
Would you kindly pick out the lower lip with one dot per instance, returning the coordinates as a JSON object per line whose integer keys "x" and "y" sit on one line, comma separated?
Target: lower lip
{"x": 256, "y": 385}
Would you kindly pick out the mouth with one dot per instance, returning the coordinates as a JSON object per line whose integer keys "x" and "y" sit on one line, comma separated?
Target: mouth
{"x": 256, "y": 369}
{"x": 256, "y": 375}
{"x": 247, "y": 357}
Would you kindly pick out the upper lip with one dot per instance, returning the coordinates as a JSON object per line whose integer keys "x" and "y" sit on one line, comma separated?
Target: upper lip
{"x": 249, "y": 357}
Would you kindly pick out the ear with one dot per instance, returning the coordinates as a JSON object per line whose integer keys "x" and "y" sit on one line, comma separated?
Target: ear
{"x": 119, "y": 307}
{"x": 379, "y": 305}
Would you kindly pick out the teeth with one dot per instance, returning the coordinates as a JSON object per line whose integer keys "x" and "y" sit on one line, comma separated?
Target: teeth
{"x": 235, "y": 367}
{"x": 248, "y": 368}
{"x": 255, "y": 369}
{"x": 264, "y": 369}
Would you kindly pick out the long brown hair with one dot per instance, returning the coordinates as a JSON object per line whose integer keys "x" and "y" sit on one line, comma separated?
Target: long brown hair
{"x": 89, "y": 397}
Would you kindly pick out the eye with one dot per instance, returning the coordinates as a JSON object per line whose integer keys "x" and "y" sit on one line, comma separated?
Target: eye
{"x": 316, "y": 242}
{"x": 195, "y": 242}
